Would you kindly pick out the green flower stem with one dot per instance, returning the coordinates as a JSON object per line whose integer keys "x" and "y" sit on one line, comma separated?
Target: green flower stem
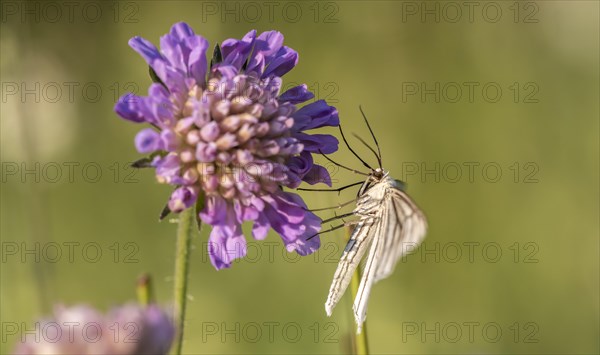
{"x": 185, "y": 232}
{"x": 361, "y": 346}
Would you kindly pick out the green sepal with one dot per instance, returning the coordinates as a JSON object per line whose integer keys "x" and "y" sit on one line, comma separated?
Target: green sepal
{"x": 155, "y": 77}
{"x": 147, "y": 161}
{"x": 142, "y": 163}
{"x": 199, "y": 207}
{"x": 245, "y": 66}
{"x": 164, "y": 213}
{"x": 217, "y": 56}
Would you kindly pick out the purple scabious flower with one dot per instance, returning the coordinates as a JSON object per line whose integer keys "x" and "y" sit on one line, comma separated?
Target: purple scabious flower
{"x": 81, "y": 330}
{"x": 225, "y": 133}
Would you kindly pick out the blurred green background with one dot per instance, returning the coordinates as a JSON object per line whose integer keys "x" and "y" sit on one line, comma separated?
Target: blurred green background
{"x": 515, "y": 252}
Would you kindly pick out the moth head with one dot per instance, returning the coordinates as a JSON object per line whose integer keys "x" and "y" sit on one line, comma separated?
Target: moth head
{"x": 377, "y": 174}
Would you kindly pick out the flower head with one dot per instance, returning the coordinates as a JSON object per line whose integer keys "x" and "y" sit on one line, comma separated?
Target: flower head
{"x": 81, "y": 330}
{"x": 225, "y": 131}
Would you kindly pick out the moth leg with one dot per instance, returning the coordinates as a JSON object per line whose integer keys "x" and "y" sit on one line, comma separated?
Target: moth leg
{"x": 345, "y": 224}
{"x": 339, "y": 206}
{"x": 332, "y": 190}
{"x": 339, "y": 217}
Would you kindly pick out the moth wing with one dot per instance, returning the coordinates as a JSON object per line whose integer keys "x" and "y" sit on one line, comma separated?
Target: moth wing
{"x": 355, "y": 249}
{"x": 369, "y": 273}
{"x": 405, "y": 229}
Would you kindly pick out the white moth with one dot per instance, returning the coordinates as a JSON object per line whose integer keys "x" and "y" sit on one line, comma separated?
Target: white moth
{"x": 390, "y": 225}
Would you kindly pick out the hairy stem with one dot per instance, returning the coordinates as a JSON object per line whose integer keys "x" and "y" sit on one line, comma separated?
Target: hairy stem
{"x": 185, "y": 232}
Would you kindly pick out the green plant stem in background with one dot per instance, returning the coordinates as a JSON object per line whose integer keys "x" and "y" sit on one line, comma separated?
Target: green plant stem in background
{"x": 361, "y": 346}
{"x": 144, "y": 290}
{"x": 185, "y": 232}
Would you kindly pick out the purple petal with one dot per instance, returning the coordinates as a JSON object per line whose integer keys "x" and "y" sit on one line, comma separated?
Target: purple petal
{"x": 273, "y": 85}
{"x": 256, "y": 64}
{"x": 215, "y": 210}
{"x": 146, "y": 49}
{"x": 197, "y": 64}
{"x": 173, "y": 78}
{"x": 159, "y": 93}
{"x": 281, "y": 63}
{"x": 294, "y": 233}
{"x": 186, "y": 51}
{"x": 169, "y": 140}
{"x": 156, "y": 108}
{"x": 225, "y": 244}
{"x": 168, "y": 168}
{"x": 296, "y": 95}
{"x": 317, "y": 174}
{"x": 282, "y": 211}
{"x": 260, "y": 228}
{"x": 181, "y": 30}
{"x": 226, "y": 70}
{"x": 323, "y": 143}
{"x": 235, "y": 52}
{"x": 244, "y": 213}
{"x": 128, "y": 108}
{"x": 301, "y": 164}
{"x": 148, "y": 141}
{"x": 266, "y": 44}
{"x": 314, "y": 115}
{"x": 171, "y": 67}
{"x": 182, "y": 198}
{"x": 172, "y": 50}
{"x": 302, "y": 244}
{"x": 293, "y": 180}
